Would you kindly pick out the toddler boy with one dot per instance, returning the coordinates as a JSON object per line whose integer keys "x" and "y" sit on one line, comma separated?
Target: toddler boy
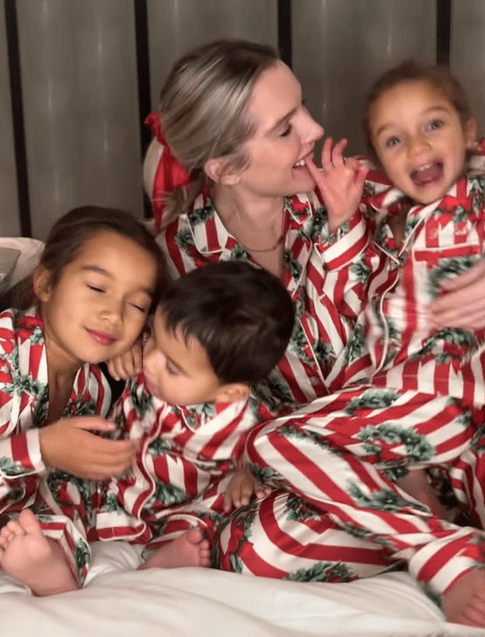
{"x": 217, "y": 332}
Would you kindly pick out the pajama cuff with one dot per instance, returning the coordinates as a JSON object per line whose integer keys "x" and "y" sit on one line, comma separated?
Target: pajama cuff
{"x": 23, "y": 451}
{"x": 442, "y": 562}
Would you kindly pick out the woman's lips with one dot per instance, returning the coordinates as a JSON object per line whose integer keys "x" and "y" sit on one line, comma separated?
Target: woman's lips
{"x": 102, "y": 338}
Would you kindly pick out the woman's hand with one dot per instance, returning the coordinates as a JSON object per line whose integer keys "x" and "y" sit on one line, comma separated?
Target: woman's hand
{"x": 70, "y": 445}
{"x": 128, "y": 365}
{"x": 240, "y": 490}
{"x": 462, "y": 301}
{"x": 341, "y": 182}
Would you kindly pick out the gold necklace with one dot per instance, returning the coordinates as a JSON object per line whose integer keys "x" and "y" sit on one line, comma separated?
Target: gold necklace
{"x": 278, "y": 242}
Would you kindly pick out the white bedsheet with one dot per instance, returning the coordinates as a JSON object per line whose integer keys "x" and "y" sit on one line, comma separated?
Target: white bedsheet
{"x": 190, "y": 602}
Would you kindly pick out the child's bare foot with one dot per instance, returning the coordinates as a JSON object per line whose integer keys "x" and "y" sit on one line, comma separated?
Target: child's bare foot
{"x": 464, "y": 602}
{"x": 39, "y": 563}
{"x": 190, "y": 549}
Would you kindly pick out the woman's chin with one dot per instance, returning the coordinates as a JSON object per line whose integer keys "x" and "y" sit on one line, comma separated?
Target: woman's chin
{"x": 302, "y": 180}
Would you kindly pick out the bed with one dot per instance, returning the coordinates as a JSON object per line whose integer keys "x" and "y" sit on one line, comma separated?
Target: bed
{"x": 118, "y": 601}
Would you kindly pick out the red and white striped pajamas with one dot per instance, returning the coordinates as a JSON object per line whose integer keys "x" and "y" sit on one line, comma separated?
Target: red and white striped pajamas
{"x": 303, "y": 530}
{"x": 61, "y": 501}
{"x": 414, "y": 397}
{"x": 185, "y": 459}
{"x": 327, "y": 297}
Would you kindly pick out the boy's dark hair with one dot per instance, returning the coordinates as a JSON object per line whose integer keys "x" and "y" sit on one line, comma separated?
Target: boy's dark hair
{"x": 241, "y": 315}
{"x": 409, "y": 71}
{"x": 73, "y": 229}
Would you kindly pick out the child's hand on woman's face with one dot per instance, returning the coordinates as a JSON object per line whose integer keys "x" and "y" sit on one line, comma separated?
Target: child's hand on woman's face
{"x": 341, "y": 182}
{"x": 128, "y": 365}
{"x": 70, "y": 445}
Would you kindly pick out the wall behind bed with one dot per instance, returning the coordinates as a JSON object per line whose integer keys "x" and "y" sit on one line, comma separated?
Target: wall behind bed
{"x": 77, "y": 78}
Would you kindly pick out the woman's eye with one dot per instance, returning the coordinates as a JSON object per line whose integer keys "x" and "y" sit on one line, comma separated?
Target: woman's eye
{"x": 287, "y": 131}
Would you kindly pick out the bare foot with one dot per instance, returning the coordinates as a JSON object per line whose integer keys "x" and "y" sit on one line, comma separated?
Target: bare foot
{"x": 39, "y": 563}
{"x": 190, "y": 549}
{"x": 464, "y": 602}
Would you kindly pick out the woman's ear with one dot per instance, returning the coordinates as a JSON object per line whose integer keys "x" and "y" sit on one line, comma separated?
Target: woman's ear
{"x": 232, "y": 392}
{"x": 219, "y": 169}
{"x": 41, "y": 279}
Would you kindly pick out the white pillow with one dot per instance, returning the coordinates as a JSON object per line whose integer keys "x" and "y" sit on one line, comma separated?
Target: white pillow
{"x": 8, "y": 259}
{"x": 29, "y": 251}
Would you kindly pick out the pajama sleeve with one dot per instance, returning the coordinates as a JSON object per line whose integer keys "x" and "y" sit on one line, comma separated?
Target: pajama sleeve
{"x": 20, "y": 458}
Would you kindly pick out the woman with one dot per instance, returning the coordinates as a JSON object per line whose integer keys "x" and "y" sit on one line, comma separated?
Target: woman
{"x": 228, "y": 178}
{"x": 231, "y": 114}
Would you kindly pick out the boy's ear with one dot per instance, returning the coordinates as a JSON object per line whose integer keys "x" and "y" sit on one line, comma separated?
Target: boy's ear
{"x": 41, "y": 280}
{"x": 219, "y": 169}
{"x": 471, "y": 133}
{"x": 232, "y": 392}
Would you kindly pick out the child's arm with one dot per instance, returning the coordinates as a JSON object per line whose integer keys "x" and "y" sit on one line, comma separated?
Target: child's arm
{"x": 241, "y": 488}
{"x": 70, "y": 445}
{"x": 65, "y": 445}
{"x": 341, "y": 182}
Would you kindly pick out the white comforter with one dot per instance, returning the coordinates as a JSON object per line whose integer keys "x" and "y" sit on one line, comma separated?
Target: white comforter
{"x": 118, "y": 601}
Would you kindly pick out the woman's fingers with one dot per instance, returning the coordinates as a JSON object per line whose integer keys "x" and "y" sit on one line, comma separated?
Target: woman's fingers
{"x": 332, "y": 156}
{"x": 312, "y": 169}
{"x": 337, "y": 158}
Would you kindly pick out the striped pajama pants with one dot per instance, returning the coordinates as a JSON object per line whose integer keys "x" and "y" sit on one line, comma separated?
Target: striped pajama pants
{"x": 337, "y": 512}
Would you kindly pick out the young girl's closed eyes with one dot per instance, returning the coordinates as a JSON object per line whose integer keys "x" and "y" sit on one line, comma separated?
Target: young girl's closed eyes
{"x": 93, "y": 289}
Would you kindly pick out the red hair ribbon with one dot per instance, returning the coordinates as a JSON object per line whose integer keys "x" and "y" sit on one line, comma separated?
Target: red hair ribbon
{"x": 170, "y": 174}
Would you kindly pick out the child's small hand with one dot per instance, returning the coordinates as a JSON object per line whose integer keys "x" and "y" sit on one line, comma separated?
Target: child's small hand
{"x": 461, "y": 302}
{"x": 341, "y": 182}
{"x": 240, "y": 489}
{"x": 70, "y": 445}
{"x": 127, "y": 365}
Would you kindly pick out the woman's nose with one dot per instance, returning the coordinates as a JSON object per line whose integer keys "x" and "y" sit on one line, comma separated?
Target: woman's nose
{"x": 309, "y": 129}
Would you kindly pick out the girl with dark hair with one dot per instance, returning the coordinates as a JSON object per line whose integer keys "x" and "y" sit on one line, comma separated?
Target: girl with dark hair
{"x": 94, "y": 287}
